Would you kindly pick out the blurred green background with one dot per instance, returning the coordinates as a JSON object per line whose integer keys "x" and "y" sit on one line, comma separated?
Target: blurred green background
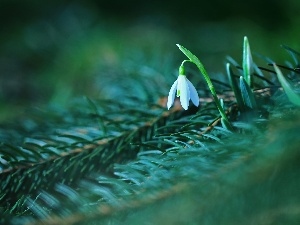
{"x": 52, "y": 51}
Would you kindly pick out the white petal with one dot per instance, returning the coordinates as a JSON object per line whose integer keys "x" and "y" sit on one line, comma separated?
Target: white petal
{"x": 193, "y": 93}
{"x": 172, "y": 93}
{"x": 184, "y": 91}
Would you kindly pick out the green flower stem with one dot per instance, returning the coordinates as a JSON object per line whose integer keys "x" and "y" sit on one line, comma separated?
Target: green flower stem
{"x": 181, "y": 68}
{"x": 200, "y": 66}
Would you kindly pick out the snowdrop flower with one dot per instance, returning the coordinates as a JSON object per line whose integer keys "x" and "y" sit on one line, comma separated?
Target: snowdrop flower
{"x": 184, "y": 89}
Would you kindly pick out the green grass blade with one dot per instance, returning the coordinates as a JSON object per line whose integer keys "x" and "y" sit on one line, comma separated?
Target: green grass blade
{"x": 293, "y": 53}
{"x": 234, "y": 86}
{"x": 292, "y": 96}
{"x": 247, "y": 62}
{"x": 247, "y": 94}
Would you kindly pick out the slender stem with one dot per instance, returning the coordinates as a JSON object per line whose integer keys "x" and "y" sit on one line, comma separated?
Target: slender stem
{"x": 181, "y": 68}
{"x": 212, "y": 90}
{"x": 200, "y": 66}
{"x": 184, "y": 61}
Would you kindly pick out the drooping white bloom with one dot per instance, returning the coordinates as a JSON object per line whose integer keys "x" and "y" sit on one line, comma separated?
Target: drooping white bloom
{"x": 185, "y": 90}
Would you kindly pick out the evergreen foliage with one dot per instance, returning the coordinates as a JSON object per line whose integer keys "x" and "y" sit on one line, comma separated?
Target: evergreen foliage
{"x": 130, "y": 161}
